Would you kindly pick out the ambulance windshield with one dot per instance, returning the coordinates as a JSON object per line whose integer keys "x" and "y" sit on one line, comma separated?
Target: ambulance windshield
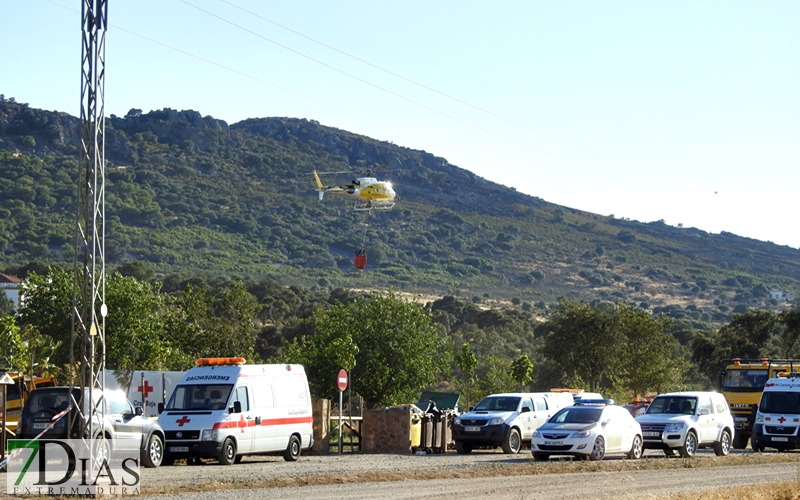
{"x": 780, "y": 402}
{"x": 200, "y": 397}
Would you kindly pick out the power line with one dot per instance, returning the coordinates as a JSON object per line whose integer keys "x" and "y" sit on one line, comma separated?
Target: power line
{"x": 366, "y": 82}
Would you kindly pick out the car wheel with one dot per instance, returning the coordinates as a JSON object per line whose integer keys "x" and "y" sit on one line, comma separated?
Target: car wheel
{"x": 670, "y": 452}
{"x": 599, "y": 449}
{"x": 228, "y": 453}
{"x": 637, "y": 449}
{"x": 541, "y": 457}
{"x": 101, "y": 451}
{"x": 292, "y": 452}
{"x": 689, "y": 447}
{"x": 723, "y": 446}
{"x": 462, "y": 448}
{"x": 154, "y": 452}
{"x": 740, "y": 442}
{"x": 512, "y": 443}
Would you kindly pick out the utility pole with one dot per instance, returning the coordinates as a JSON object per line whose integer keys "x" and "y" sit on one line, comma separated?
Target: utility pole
{"x": 87, "y": 344}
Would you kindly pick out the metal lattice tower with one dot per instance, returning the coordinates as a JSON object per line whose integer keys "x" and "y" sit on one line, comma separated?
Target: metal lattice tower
{"x": 87, "y": 345}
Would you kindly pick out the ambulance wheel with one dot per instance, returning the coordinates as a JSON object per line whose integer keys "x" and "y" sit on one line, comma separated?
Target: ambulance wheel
{"x": 463, "y": 449}
{"x": 227, "y": 456}
{"x": 292, "y": 452}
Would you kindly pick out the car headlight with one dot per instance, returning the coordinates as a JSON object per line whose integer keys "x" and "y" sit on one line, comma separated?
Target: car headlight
{"x": 457, "y": 420}
{"x": 496, "y": 421}
{"x": 582, "y": 434}
{"x": 759, "y": 418}
{"x": 536, "y": 434}
{"x": 209, "y": 435}
{"x": 673, "y": 427}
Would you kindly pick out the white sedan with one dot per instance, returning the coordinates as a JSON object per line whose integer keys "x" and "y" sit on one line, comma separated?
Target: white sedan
{"x": 589, "y": 429}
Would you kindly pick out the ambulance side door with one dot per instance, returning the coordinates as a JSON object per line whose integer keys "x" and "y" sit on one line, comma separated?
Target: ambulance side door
{"x": 264, "y": 438}
{"x": 245, "y": 421}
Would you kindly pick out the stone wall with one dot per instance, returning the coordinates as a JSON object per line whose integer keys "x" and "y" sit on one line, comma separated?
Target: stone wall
{"x": 386, "y": 431}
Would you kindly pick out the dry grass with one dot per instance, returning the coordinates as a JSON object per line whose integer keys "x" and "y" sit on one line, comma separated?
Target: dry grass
{"x": 789, "y": 490}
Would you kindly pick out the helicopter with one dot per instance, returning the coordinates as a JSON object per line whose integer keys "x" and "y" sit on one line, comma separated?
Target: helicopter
{"x": 368, "y": 192}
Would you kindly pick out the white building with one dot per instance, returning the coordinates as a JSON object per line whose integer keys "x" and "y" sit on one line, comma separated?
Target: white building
{"x": 778, "y": 294}
{"x": 10, "y": 285}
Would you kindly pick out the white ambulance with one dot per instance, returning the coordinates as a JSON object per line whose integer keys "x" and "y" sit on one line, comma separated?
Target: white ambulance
{"x": 777, "y": 423}
{"x": 225, "y": 409}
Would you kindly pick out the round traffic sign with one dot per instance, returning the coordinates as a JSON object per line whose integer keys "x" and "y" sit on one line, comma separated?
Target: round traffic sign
{"x": 341, "y": 380}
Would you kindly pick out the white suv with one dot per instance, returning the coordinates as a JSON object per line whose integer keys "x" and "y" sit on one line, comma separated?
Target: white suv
{"x": 682, "y": 422}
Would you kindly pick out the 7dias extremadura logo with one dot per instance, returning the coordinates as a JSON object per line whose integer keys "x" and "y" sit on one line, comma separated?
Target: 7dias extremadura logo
{"x": 73, "y": 467}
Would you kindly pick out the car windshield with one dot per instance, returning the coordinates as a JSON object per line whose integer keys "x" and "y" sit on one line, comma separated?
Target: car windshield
{"x": 780, "y": 402}
{"x": 498, "y": 403}
{"x": 200, "y": 397}
{"x": 577, "y": 415}
{"x": 673, "y": 404}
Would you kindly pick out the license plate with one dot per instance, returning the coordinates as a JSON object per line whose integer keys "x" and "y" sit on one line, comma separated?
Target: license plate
{"x": 740, "y": 419}
{"x": 781, "y": 439}
{"x": 651, "y": 434}
{"x": 40, "y": 425}
{"x": 179, "y": 449}
{"x": 472, "y": 429}
{"x": 553, "y": 443}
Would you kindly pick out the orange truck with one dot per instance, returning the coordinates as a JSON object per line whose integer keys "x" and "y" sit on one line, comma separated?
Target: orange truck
{"x": 742, "y": 381}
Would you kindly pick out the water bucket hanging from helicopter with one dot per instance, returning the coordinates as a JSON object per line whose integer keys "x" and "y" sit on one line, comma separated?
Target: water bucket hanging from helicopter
{"x": 360, "y": 259}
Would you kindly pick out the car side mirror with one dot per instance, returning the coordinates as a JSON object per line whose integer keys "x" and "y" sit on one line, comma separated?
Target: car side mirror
{"x": 525, "y": 409}
{"x": 138, "y": 411}
{"x": 236, "y": 408}
{"x": 703, "y": 411}
{"x": 160, "y": 408}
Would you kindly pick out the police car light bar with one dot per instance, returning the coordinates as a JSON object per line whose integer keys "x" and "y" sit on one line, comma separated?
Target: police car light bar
{"x": 594, "y": 402}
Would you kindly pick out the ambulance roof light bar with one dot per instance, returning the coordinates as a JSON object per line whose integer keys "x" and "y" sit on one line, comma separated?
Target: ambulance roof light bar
{"x": 219, "y": 361}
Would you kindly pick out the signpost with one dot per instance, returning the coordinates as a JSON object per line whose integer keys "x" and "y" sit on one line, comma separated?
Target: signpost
{"x": 341, "y": 383}
{"x": 5, "y": 381}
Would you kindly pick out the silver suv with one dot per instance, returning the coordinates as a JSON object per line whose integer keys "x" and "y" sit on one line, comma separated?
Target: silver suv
{"x": 121, "y": 419}
{"x": 683, "y": 422}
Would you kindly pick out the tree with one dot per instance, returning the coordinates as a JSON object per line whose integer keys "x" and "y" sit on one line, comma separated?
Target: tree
{"x": 583, "y": 341}
{"x": 521, "y": 370}
{"x": 48, "y": 309}
{"x": 466, "y": 361}
{"x": 748, "y": 335}
{"x": 498, "y": 377}
{"x": 393, "y": 343}
{"x": 14, "y": 355}
{"x": 647, "y": 351}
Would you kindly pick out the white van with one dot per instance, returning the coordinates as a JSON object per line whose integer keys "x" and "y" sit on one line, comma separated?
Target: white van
{"x": 225, "y": 409}
{"x": 777, "y": 423}
{"x": 506, "y": 420}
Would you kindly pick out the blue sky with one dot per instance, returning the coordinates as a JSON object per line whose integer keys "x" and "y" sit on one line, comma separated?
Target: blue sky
{"x": 683, "y": 111}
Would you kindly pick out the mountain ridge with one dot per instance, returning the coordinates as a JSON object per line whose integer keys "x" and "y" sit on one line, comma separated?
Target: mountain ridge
{"x": 188, "y": 193}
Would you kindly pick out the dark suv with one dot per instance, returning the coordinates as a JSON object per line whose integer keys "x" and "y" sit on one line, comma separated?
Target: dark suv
{"x": 121, "y": 419}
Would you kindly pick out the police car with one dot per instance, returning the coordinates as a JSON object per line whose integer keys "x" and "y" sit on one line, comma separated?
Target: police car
{"x": 590, "y": 429}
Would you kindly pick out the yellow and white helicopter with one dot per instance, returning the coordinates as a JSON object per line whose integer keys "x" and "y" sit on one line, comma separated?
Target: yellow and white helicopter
{"x": 368, "y": 192}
